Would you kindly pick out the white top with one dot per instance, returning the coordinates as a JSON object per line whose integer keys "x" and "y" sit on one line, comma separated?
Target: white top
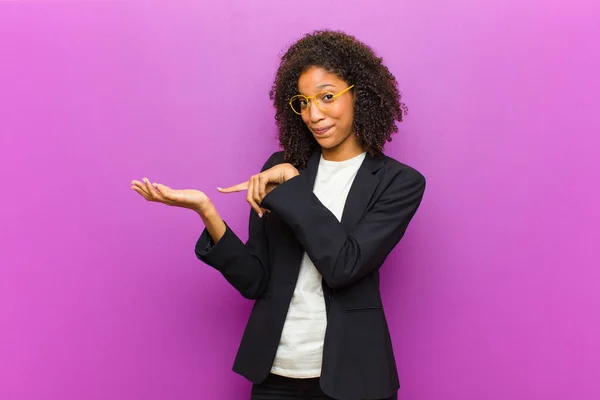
{"x": 300, "y": 350}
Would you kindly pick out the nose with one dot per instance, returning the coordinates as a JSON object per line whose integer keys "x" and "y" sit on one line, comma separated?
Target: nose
{"x": 315, "y": 112}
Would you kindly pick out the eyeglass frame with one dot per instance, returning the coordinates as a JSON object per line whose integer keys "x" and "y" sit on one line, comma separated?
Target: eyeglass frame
{"x": 335, "y": 96}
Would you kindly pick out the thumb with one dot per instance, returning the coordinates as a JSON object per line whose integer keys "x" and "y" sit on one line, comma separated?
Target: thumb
{"x": 164, "y": 190}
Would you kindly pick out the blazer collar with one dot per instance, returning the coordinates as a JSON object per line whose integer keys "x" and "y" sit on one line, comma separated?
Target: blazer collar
{"x": 370, "y": 163}
{"x": 361, "y": 190}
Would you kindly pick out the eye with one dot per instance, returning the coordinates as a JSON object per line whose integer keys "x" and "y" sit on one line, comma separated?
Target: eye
{"x": 299, "y": 103}
{"x": 326, "y": 98}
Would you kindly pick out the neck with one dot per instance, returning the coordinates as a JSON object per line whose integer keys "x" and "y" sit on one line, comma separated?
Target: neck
{"x": 346, "y": 150}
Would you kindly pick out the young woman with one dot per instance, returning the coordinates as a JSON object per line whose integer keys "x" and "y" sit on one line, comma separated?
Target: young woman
{"x": 326, "y": 212}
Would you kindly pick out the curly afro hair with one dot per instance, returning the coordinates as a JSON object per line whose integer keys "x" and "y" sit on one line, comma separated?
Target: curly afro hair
{"x": 378, "y": 102}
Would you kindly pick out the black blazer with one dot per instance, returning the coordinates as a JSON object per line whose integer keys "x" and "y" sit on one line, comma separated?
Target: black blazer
{"x": 358, "y": 360}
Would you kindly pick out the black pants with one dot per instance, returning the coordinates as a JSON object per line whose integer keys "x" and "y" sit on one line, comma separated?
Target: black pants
{"x": 277, "y": 387}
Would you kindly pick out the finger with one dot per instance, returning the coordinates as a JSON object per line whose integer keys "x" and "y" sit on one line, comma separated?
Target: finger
{"x": 140, "y": 186}
{"x": 165, "y": 191}
{"x": 141, "y": 192}
{"x": 236, "y": 188}
{"x": 262, "y": 192}
{"x": 256, "y": 191}
{"x": 250, "y": 197}
{"x": 137, "y": 183}
{"x": 155, "y": 193}
{"x": 166, "y": 194}
{"x": 149, "y": 188}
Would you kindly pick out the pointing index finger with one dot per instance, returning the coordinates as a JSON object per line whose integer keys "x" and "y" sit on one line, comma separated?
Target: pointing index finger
{"x": 236, "y": 188}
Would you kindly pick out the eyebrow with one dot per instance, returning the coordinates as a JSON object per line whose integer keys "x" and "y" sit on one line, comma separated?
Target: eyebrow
{"x": 324, "y": 85}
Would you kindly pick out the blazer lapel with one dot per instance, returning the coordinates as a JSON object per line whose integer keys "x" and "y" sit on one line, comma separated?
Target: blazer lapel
{"x": 309, "y": 173}
{"x": 361, "y": 190}
{"x": 312, "y": 166}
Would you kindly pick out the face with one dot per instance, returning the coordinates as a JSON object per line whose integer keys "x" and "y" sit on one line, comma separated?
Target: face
{"x": 333, "y": 129}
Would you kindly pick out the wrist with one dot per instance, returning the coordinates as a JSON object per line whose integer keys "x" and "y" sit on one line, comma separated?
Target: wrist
{"x": 215, "y": 226}
{"x": 291, "y": 172}
{"x": 205, "y": 208}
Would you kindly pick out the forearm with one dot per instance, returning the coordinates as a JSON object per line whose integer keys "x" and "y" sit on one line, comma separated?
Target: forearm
{"x": 212, "y": 220}
{"x": 343, "y": 257}
{"x": 245, "y": 266}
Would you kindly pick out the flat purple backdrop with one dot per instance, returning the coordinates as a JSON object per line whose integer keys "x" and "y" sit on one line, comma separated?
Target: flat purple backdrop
{"x": 493, "y": 293}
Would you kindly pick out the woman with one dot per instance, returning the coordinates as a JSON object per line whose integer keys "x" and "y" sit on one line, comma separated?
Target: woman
{"x": 326, "y": 212}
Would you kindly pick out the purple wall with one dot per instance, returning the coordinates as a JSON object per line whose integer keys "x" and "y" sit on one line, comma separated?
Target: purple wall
{"x": 494, "y": 292}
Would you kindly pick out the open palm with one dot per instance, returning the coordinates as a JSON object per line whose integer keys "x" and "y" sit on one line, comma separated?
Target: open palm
{"x": 185, "y": 198}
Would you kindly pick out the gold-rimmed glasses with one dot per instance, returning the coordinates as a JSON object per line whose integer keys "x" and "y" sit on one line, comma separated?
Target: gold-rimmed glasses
{"x": 324, "y": 101}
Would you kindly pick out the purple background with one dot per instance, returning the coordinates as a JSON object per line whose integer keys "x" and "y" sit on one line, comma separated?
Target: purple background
{"x": 494, "y": 292}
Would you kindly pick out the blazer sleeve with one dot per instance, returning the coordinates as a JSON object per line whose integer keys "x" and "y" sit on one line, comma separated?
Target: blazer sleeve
{"x": 343, "y": 257}
{"x": 244, "y": 265}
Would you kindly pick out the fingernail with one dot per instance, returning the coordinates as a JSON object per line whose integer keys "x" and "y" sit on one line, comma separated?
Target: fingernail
{"x": 260, "y": 215}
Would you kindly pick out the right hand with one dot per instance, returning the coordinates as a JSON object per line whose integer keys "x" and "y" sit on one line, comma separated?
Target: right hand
{"x": 185, "y": 198}
{"x": 258, "y": 186}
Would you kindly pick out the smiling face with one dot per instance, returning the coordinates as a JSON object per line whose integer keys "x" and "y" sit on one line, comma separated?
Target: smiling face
{"x": 333, "y": 129}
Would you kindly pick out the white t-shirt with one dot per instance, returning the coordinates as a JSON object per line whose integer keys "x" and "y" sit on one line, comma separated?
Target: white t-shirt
{"x": 300, "y": 350}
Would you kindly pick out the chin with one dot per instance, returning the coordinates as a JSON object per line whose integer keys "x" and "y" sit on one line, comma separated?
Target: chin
{"x": 326, "y": 143}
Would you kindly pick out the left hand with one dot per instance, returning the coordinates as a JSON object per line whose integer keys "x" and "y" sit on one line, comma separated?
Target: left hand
{"x": 259, "y": 185}
{"x": 156, "y": 192}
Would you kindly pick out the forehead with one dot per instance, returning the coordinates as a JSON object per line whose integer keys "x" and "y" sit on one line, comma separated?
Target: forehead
{"x": 315, "y": 79}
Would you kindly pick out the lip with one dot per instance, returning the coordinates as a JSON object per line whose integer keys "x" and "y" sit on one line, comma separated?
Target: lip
{"x": 322, "y": 131}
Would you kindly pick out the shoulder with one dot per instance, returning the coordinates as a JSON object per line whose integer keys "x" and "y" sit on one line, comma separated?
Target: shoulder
{"x": 274, "y": 159}
{"x": 398, "y": 171}
{"x": 277, "y": 157}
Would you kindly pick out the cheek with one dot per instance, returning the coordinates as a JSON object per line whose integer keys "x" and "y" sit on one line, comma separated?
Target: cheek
{"x": 305, "y": 118}
{"x": 345, "y": 114}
